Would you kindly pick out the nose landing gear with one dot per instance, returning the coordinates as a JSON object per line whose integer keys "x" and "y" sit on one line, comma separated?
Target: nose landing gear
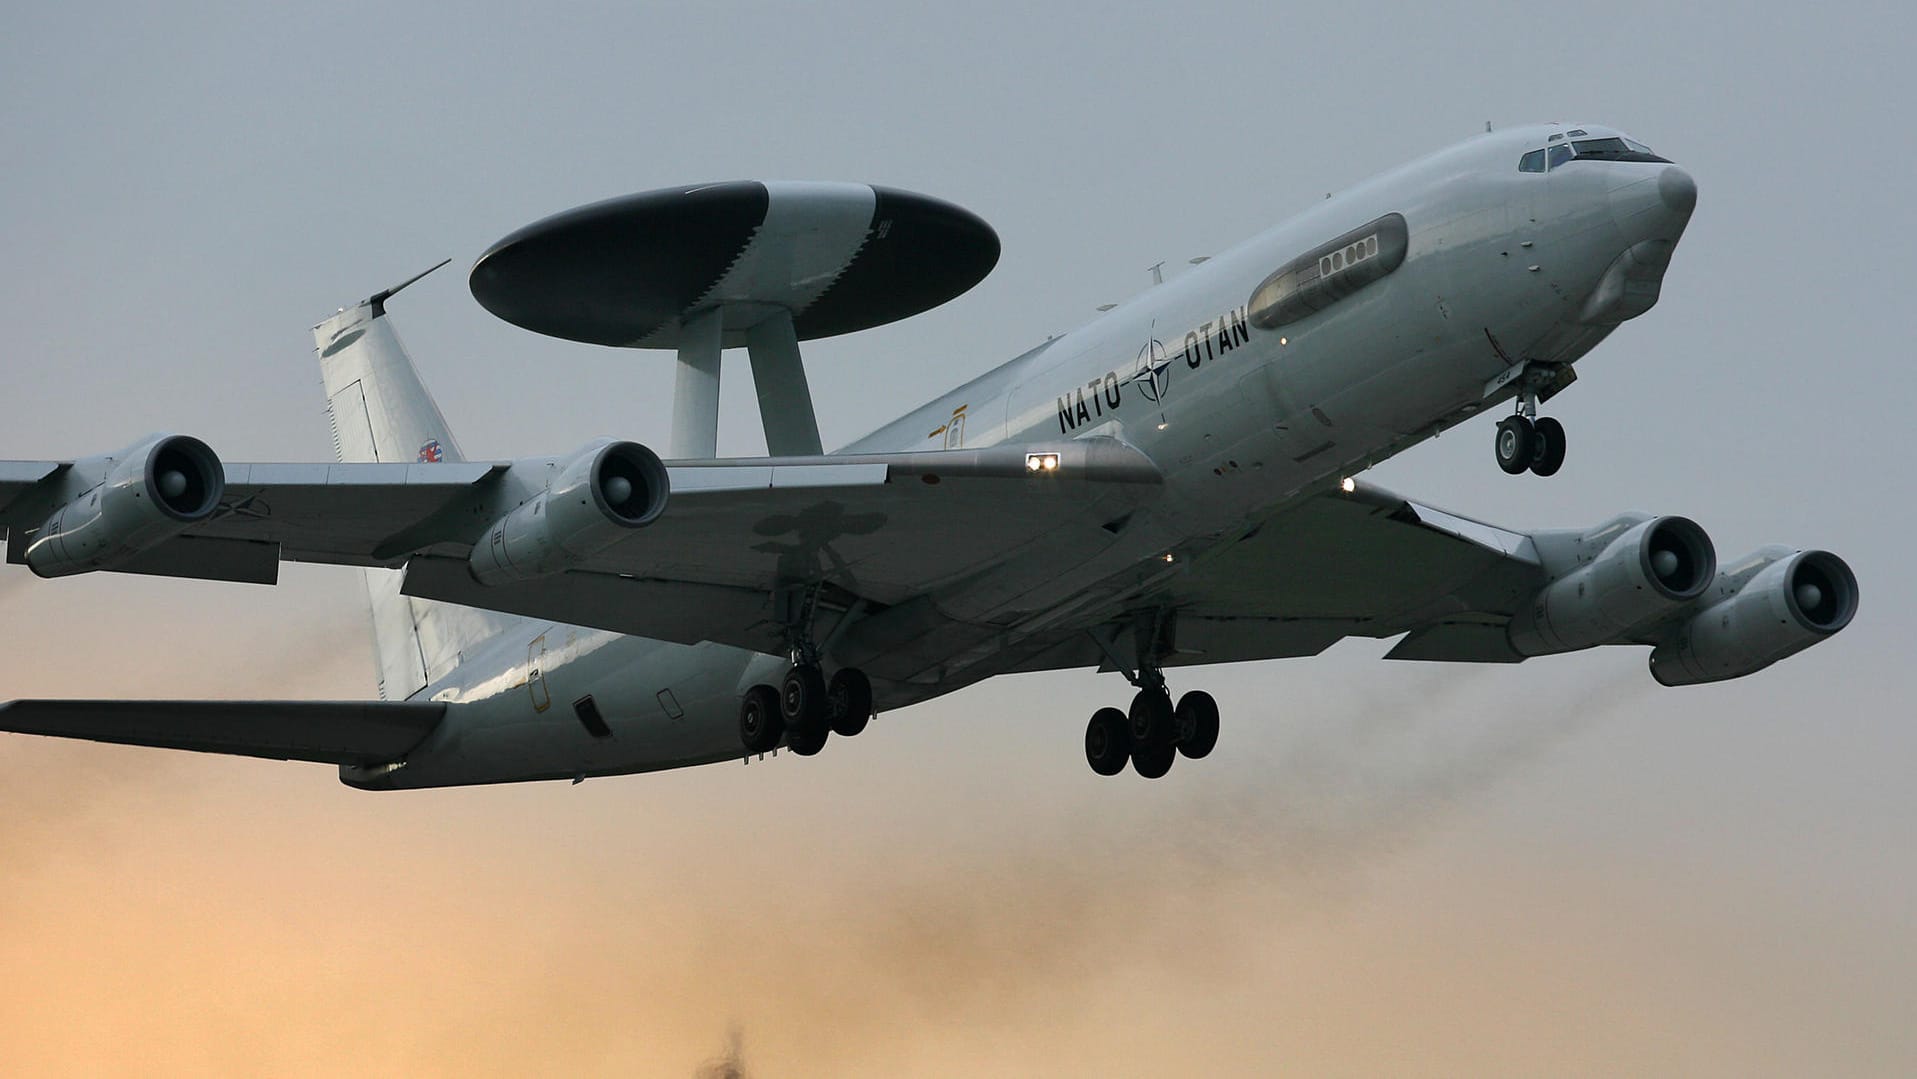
{"x": 1526, "y": 442}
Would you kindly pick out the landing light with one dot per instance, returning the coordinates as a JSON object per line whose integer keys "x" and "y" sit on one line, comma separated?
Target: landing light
{"x": 1348, "y": 485}
{"x": 1041, "y": 462}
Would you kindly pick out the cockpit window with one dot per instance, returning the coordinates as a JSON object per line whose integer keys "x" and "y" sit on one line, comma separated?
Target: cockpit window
{"x": 1613, "y": 150}
{"x": 1605, "y": 148}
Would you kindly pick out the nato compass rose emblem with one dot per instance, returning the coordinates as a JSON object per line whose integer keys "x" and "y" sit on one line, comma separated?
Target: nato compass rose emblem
{"x": 431, "y": 453}
{"x": 1153, "y": 376}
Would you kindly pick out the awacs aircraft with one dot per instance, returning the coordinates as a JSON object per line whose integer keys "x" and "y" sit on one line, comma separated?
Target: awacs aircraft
{"x": 1166, "y": 487}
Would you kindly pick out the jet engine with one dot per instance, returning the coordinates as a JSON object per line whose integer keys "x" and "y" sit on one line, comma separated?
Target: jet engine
{"x": 588, "y": 504}
{"x": 1793, "y": 602}
{"x": 1644, "y": 574}
{"x": 146, "y": 494}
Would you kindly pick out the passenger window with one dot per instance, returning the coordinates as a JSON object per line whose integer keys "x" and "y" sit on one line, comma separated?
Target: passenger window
{"x": 1532, "y": 162}
{"x": 1559, "y": 154}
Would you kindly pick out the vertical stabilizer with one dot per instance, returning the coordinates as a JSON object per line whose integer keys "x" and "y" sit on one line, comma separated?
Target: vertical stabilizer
{"x": 380, "y": 411}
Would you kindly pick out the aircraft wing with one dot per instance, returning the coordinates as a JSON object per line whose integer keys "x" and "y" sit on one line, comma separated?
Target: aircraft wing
{"x": 331, "y": 732}
{"x": 873, "y": 528}
{"x": 1367, "y": 563}
{"x": 876, "y": 529}
{"x": 341, "y": 513}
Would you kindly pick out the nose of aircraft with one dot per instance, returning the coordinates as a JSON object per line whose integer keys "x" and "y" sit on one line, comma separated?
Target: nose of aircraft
{"x": 1677, "y": 189}
{"x": 1653, "y": 202}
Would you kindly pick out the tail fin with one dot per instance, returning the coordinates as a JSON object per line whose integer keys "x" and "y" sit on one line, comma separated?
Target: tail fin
{"x": 380, "y": 411}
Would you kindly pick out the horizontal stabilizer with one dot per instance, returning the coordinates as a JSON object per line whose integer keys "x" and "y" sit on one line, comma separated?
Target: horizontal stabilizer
{"x": 330, "y": 732}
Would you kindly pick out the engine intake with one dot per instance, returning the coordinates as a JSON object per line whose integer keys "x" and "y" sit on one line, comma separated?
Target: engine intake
{"x": 1792, "y": 603}
{"x": 1643, "y": 575}
{"x": 145, "y": 494}
{"x": 589, "y": 503}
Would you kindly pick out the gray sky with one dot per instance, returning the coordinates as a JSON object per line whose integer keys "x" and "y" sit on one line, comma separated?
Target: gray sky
{"x": 1385, "y": 868}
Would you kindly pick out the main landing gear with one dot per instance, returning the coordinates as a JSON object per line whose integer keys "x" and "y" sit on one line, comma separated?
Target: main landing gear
{"x": 805, "y": 709}
{"x": 1153, "y": 733}
{"x": 1526, "y": 442}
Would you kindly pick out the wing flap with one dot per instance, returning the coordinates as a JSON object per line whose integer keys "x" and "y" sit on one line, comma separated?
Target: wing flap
{"x": 207, "y": 559}
{"x": 329, "y": 732}
{"x": 1359, "y": 563}
{"x": 677, "y": 611}
{"x": 345, "y": 514}
{"x": 16, "y": 479}
{"x": 885, "y": 527}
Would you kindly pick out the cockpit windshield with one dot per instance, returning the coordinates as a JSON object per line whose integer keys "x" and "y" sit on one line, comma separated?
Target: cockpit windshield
{"x": 1606, "y": 148}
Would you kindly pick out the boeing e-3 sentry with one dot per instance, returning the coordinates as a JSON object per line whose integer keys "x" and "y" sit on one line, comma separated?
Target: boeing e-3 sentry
{"x": 1169, "y": 486}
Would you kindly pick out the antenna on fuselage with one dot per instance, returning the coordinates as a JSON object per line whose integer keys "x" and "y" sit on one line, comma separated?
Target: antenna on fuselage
{"x": 377, "y": 301}
{"x": 1157, "y": 270}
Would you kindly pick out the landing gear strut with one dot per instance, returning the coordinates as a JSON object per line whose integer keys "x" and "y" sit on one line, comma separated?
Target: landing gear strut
{"x": 1525, "y": 442}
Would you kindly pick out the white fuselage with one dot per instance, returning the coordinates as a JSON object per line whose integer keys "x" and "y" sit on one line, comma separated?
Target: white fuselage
{"x": 1501, "y": 267}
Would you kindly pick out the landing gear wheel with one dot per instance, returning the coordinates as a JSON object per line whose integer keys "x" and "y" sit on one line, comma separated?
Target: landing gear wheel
{"x": 760, "y": 725}
{"x": 805, "y": 743}
{"x": 1548, "y": 453}
{"x": 1196, "y": 719}
{"x": 1516, "y": 444}
{"x": 848, "y": 701}
{"x": 802, "y": 697}
{"x": 1151, "y": 719}
{"x": 1153, "y": 761}
{"x": 1108, "y": 741}
{"x": 802, "y": 706}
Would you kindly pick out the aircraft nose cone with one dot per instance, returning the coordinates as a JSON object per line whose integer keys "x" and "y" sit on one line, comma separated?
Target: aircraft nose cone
{"x": 1650, "y": 201}
{"x": 1677, "y": 189}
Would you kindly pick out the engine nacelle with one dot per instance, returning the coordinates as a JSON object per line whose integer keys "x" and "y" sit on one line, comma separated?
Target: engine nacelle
{"x": 1789, "y": 605}
{"x": 589, "y": 503}
{"x": 1642, "y": 575}
{"x": 144, "y": 495}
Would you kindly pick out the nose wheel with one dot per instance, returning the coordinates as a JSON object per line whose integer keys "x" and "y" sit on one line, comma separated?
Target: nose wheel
{"x": 1528, "y": 442}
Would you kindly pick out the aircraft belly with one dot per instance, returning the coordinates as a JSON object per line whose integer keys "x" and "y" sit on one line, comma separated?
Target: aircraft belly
{"x": 662, "y": 705}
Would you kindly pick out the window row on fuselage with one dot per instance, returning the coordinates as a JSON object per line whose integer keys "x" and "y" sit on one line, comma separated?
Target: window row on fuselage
{"x": 1330, "y": 272}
